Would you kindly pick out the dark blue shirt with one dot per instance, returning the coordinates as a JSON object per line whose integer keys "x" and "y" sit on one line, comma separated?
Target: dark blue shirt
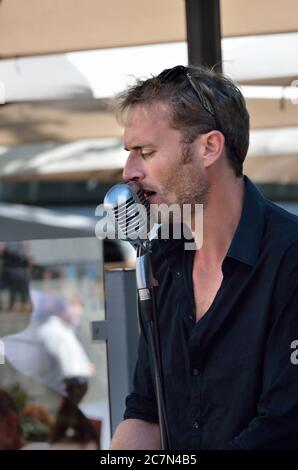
{"x": 231, "y": 379}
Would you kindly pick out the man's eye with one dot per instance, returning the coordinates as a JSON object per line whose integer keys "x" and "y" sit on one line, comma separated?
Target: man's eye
{"x": 147, "y": 154}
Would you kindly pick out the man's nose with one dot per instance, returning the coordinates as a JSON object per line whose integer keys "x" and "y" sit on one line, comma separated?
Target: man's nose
{"x": 132, "y": 169}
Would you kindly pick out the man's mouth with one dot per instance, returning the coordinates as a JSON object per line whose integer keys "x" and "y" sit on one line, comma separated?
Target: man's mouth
{"x": 149, "y": 194}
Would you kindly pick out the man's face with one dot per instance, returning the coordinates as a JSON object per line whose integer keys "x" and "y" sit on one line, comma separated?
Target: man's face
{"x": 168, "y": 170}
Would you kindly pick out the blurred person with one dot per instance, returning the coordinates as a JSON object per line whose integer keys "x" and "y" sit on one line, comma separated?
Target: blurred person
{"x": 58, "y": 336}
{"x": 48, "y": 349}
{"x": 72, "y": 429}
{"x": 227, "y": 309}
{"x": 15, "y": 274}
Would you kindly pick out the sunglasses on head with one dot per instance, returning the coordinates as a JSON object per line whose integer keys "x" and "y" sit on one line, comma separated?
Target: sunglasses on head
{"x": 169, "y": 75}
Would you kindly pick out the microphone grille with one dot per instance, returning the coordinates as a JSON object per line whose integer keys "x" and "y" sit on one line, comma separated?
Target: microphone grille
{"x": 131, "y": 211}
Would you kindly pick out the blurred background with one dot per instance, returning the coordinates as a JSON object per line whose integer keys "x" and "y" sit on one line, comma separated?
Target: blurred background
{"x": 61, "y": 64}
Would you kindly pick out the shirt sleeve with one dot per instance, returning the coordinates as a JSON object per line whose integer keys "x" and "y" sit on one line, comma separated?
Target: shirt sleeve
{"x": 141, "y": 403}
{"x": 276, "y": 425}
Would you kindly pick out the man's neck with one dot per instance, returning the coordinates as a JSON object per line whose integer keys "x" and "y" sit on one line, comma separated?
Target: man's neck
{"x": 221, "y": 215}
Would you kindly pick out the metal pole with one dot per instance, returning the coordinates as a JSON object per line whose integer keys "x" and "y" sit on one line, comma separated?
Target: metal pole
{"x": 204, "y": 33}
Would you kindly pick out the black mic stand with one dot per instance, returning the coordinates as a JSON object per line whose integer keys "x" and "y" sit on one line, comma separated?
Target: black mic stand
{"x": 145, "y": 286}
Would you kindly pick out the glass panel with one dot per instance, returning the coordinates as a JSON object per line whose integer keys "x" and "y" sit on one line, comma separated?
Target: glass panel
{"x": 52, "y": 378}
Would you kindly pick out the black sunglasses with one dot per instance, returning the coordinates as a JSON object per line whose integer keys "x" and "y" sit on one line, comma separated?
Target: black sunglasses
{"x": 168, "y": 75}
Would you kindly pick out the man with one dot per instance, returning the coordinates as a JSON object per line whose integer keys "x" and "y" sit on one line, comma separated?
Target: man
{"x": 227, "y": 311}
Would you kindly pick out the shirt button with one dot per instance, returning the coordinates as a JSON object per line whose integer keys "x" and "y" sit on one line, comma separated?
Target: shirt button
{"x": 196, "y": 425}
{"x": 178, "y": 273}
{"x": 195, "y": 372}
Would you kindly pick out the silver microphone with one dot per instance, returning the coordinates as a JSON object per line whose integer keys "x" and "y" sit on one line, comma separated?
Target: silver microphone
{"x": 127, "y": 204}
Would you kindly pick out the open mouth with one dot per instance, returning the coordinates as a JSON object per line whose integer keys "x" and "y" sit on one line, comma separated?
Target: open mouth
{"x": 148, "y": 194}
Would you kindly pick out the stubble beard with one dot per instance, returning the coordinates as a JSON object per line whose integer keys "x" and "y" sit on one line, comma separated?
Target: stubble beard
{"x": 189, "y": 184}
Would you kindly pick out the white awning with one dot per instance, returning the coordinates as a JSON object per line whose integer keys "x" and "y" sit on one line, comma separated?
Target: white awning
{"x": 50, "y": 26}
{"x": 78, "y": 161}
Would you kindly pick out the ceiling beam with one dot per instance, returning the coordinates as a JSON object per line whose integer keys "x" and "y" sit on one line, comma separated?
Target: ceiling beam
{"x": 58, "y": 121}
{"x": 275, "y": 168}
{"x": 35, "y": 27}
{"x": 243, "y": 18}
{"x": 70, "y": 120}
{"x": 270, "y": 113}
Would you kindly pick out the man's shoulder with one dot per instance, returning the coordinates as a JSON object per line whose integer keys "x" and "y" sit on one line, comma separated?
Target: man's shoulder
{"x": 281, "y": 248}
{"x": 281, "y": 227}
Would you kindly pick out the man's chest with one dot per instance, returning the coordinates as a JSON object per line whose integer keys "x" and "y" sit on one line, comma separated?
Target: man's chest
{"x": 205, "y": 287}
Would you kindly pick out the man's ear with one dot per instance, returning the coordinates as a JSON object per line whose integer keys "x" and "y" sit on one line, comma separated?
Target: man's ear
{"x": 213, "y": 144}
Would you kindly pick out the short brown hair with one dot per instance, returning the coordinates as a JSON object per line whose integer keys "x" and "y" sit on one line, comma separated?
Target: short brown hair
{"x": 200, "y": 100}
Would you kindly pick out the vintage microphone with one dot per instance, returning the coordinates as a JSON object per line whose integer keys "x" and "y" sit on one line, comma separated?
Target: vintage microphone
{"x": 129, "y": 210}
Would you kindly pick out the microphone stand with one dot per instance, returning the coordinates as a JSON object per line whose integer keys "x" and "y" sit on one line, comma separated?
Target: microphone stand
{"x": 145, "y": 286}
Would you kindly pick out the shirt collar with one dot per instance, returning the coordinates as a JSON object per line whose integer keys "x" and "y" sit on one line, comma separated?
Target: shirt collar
{"x": 246, "y": 242}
